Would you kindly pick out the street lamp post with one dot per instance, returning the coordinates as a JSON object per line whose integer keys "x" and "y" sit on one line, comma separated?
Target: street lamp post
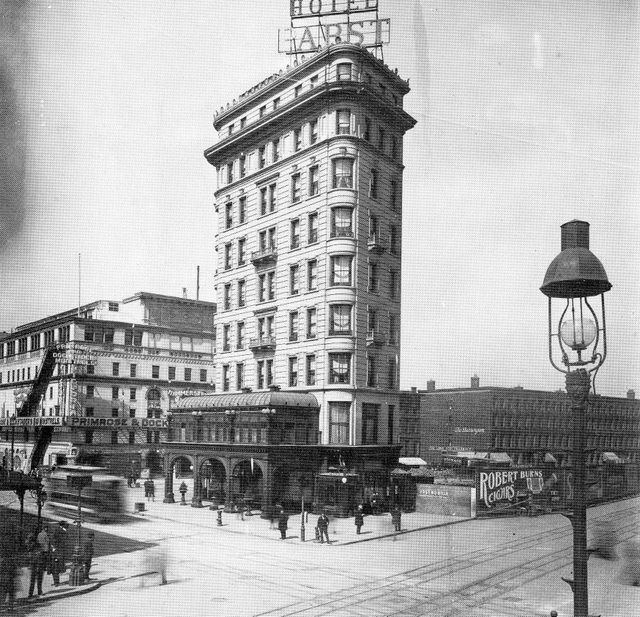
{"x": 579, "y": 335}
{"x": 76, "y": 573}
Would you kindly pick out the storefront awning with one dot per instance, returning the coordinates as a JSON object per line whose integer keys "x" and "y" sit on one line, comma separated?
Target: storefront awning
{"x": 610, "y": 457}
{"x": 499, "y": 457}
{"x": 411, "y": 461}
{"x": 246, "y": 400}
{"x": 549, "y": 458}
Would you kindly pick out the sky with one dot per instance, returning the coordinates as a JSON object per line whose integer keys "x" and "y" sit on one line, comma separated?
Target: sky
{"x": 527, "y": 118}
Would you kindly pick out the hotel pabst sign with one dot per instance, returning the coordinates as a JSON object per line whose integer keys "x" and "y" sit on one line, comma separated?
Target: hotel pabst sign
{"x": 502, "y": 487}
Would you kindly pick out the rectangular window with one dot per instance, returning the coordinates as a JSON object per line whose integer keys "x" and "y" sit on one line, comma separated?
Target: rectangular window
{"x": 225, "y": 377}
{"x": 243, "y": 122}
{"x": 394, "y": 284}
{"x": 114, "y": 393}
{"x": 260, "y": 374}
{"x": 312, "y": 323}
{"x": 295, "y": 233}
{"x": 342, "y": 173}
{"x": 272, "y": 197}
{"x": 297, "y": 91}
{"x": 242, "y": 293}
{"x": 372, "y": 375}
{"x": 393, "y": 239}
{"x": 133, "y": 370}
{"x": 293, "y": 372}
{"x": 240, "y": 335}
{"x": 343, "y": 122}
{"x": 394, "y": 330}
{"x": 262, "y": 287}
{"x": 271, "y": 285}
{"x": 242, "y": 164}
{"x": 228, "y": 251}
{"x": 226, "y": 343}
{"x": 341, "y": 222}
{"x": 203, "y": 375}
{"x": 311, "y": 370}
{"x": 89, "y": 412}
{"x": 263, "y": 200}
{"x": 115, "y": 369}
{"x": 370, "y": 414}
{"x": 90, "y": 391}
{"x": 242, "y": 251}
{"x": 297, "y": 139}
{"x": 343, "y": 71}
{"x": 312, "y": 274}
{"x": 22, "y": 345}
{"x": 132, "y": 394}
{"x": 187, "y": 374}
{"x": 239, "y": 376}
{"x": 263, "y": 110}
{"x": 340, "y": 319}
{"x": 155, "y": 371}
{"x": 114, "y": 412}
{"x": 339, "y": 422}
{"x": 133, "y": 336}
{"x": 392, "y": 370}
{"x": 262, "y": 156}
{"x": 230, "y": 177}
{"x": 35, "y": 342}
{"x": 294, "y": 279}
{"x": 373, "y": 277}
{"x": 172, "y": 373}
{"x": 269, "y": 369}
{"x": 293, "y": 326}
{"x": 91, "y": 369}
{"x": 275, "y": 150}
{"x": 231, "y": 127}
{"x": 313, "y": 227}
{"x": 340, "y": 368}
{"x": 276, "y": 102}
{"x": 366, "y": 133}
{"x": 313, "y": 81}
{"x": 228, "y": 215}
{"x": 226, "y": 300}
{"x": 242, "y": 210}
{"x": 373, "y": 228}
{"x": 114, "y": 437}
{"x": 341, "y": 270}
{"x": 373, "y": 184}
{"x": 313, "y": 181}
{"x": 313, "y": 131}
{"x": 296, "y": 189}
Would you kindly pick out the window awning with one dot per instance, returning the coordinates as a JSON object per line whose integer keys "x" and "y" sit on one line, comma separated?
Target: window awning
{"x": 549, "y": 458}
{"x": 411, "y": 461}
{"x": 610, "y": 457}
{"x": 499, "y": 457}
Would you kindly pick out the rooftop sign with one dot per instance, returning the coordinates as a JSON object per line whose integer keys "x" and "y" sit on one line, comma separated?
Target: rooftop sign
{"x": 319, "y": 8}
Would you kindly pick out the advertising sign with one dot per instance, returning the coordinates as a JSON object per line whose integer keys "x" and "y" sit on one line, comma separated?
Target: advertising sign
{"x": 318, "y": 8}
{"x": 445, "y": 500}
{"x": 306, "y": 39}
{"x": 114, "y": 423}
{"x": 503, "y": 488}
{"x": 33, "y": 421}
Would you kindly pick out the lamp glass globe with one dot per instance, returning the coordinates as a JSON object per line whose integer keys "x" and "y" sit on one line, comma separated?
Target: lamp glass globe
{"x": 578, "y": 334}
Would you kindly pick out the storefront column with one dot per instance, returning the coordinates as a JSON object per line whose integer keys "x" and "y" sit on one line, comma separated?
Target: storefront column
{"x": 267, "y": 491}
{"x": 196, "y": 500}
{"x": 168, "y": 481}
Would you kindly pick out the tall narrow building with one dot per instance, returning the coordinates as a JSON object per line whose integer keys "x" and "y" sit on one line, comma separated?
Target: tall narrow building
{"x": 309, "y": 245}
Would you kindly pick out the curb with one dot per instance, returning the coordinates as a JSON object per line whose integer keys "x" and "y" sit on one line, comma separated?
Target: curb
{"x": 57, "y": 595}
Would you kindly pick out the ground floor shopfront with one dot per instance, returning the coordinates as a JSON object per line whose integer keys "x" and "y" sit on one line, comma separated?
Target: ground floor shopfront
{"x": 335, "y": 478}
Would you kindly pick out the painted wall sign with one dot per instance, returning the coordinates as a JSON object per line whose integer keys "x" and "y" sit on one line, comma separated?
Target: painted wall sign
{"x": 318, "y": 8}
{"x": 468, "y": 429}
{"x": 367, "y": 33}
{"x": 33, "y": 421}
{"x": 111, "y": 423}
{"x": 501, "y": 488}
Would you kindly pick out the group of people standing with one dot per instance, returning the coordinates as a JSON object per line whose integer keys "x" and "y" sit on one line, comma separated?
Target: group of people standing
{"x": 44, "y": 551}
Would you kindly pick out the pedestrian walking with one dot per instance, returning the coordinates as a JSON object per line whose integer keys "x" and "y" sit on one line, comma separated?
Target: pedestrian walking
{"x": 148, "y": 489}
{"x": 87, "y": 554}
{"x": 37, "y": 560}
{"x": 359, "y": 519}
{"x": 283, "y": 520}
{"x": 323, "y": 527}
{"x": 396, "y": 517}
{"x": 152, "y": 489}
{"x": 57, "y": 551}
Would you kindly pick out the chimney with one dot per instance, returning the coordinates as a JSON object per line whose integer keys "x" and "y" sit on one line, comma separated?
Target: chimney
{"x": 574, "y": 234}
{"x": 414, "y": 389}
{"x": 631, "y": 394}
{"x": 431, "y": 385}
{"x": 475, "y": 382}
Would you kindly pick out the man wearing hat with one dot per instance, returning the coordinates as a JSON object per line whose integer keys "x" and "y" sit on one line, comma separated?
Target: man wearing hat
{"x": 57, "y": 558}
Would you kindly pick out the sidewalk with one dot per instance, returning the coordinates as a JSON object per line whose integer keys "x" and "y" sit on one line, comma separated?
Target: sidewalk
{"x": 342, "y": 531}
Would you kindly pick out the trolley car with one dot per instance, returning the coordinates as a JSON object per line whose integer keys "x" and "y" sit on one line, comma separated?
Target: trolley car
{"x": 102, "y": 501}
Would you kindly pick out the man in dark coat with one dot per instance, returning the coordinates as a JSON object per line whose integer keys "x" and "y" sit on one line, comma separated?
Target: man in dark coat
{"x": 283, "y": 519}
{"x": 58, "y": 541}
{"x": 396, "y": 516}
{"x": 87, "y": 554}
{"x": 323, "y": 527}
{"x": 37, "y": 561}
{"x": 359, "y": 519}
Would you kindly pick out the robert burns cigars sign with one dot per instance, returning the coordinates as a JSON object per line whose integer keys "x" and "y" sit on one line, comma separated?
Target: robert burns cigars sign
{"x": 503, "y": 487}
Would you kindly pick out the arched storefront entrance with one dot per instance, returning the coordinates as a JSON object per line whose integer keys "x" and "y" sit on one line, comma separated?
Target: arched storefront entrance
{"x": 178, "y": 469}
{"x": 214, "y": 481}
{"x": 247, "y": 483}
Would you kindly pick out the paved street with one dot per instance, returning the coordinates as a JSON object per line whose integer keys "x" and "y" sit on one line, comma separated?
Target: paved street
{"x": 489, "y": 568}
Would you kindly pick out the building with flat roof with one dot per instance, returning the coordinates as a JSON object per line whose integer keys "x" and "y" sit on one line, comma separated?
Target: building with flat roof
{"x": 309, "y": 202}
{"x": 94, "y": 384}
